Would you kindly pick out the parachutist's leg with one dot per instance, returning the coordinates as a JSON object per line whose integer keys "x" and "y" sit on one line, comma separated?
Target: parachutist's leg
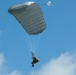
{"x": 32, "y": 64}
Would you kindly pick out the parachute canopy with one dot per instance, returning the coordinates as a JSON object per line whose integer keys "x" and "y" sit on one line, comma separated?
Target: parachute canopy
{"x": 30, "y": 16}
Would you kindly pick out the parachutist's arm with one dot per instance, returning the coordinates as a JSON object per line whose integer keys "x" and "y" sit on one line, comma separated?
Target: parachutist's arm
{"x": 33, "y": 55}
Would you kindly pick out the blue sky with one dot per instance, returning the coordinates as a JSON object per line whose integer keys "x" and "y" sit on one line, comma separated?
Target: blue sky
{"x": 58, "y": 41}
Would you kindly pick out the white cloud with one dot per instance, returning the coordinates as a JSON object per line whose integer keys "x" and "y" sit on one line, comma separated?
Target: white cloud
{"x": 3, "y": 67}
{"x": 65, "y": 64}
{"x": 2, "y": 60}
{"x": 14, "y": 73}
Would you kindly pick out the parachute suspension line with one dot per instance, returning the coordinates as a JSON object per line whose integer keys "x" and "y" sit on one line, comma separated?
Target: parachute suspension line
{"x": 33, "y": 48}
{"x": 27, "y": 41}
{"x": 30, "y": 44}
{"x": 38, "y": 42}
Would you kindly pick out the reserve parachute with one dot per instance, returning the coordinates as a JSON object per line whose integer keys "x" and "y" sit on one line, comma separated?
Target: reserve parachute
{"x": 30, "y": 16}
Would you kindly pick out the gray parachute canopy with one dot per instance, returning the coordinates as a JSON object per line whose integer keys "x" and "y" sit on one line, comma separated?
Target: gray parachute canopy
{"x": 30, "y": 16}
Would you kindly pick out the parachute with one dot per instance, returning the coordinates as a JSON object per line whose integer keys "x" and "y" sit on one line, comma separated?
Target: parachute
{"x": 29, "y": 16}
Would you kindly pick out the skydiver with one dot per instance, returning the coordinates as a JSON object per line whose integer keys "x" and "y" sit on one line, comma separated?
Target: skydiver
{"x": 35, "y": 60}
